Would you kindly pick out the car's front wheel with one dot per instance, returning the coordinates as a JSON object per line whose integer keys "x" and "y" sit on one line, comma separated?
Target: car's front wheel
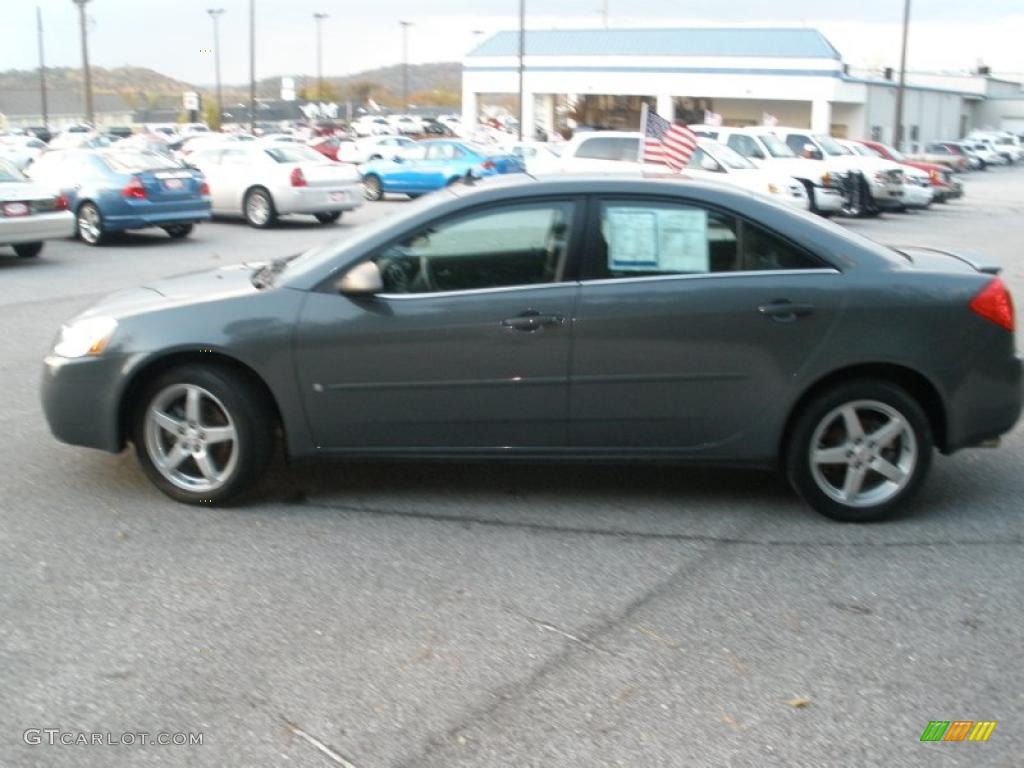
{"x": 859, "y": 450}
{"x": 90, "y": 224}
{"x": 259, "y": 208}
{"x": 28, "y": 250}
{"x": 329, "y": 217}
{"x": 203, "y": 435}
{"x": 372, "y": 188}
{"x": 178, "y": 231}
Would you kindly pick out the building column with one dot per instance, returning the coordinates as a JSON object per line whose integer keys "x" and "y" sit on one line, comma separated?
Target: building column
{"x": 666, "y": 107}
{"x": 529, "y": 110}
{"x": 821, "y": 116}
{"x": 469, "y": 109}
{"x": 547, "y": 112}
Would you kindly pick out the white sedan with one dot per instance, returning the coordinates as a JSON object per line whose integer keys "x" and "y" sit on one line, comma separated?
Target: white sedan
{"x": 30, "y": 213}
{"x": 373, "y": 148}
{"x": 261, "y": 182}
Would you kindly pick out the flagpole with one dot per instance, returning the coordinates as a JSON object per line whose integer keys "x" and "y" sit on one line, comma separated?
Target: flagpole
{"x": 643, "y": 136}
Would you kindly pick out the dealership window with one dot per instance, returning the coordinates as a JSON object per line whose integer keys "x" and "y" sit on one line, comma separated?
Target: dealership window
{"x": 517, "y": 245}
{"x": 609, "y": 148}
{"x": 876, "y": 133}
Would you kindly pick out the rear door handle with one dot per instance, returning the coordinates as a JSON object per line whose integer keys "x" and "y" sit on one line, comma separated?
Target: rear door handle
{"x": 531, "y": 321}
{"x": 785, "y": 311}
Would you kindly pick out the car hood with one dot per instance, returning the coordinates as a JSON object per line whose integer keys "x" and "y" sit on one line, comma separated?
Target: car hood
{"x": 25, "y": 190}
{"x": 207, "y": 284}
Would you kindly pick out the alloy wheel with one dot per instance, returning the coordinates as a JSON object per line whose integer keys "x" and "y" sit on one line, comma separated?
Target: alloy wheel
{"x": 257, "y": 208}
{"x": 90, "y": 225}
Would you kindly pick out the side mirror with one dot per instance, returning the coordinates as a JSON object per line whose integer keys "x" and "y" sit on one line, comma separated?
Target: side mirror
{"x": 364, "y": 279}
{"x": 811, "y": 152}
{"x": 708, "y": 163}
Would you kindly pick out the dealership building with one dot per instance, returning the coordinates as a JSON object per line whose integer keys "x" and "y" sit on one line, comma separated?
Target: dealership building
{"x": 795, "y": 77}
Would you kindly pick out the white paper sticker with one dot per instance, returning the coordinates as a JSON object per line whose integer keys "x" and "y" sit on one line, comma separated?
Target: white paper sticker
{"x": 657, "y": 240}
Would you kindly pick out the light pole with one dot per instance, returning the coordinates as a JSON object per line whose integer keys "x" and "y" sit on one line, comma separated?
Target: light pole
{"x": 604, "y": 13}
{"x": 898, "y": 138}
{"x": 405, "y": 63}
{"x": 215, "y": 15}
{"x": 42, "y": 69}
{"x": 252, "y": 66}
{"x": 522, "y": 56}
{"x": 319, "y": 60}
{"x": 89, "y": 117}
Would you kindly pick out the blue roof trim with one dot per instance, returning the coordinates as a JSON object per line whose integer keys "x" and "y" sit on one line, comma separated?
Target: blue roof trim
{"x": 793, "y": 43}
{"x": 672, "y": 70}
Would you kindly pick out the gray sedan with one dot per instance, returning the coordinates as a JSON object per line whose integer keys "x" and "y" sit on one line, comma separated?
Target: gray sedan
{"x": 584, "y": 319}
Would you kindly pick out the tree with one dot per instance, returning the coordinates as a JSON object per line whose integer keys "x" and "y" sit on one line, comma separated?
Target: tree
{"x": 211, "y": 115}
{"x": 360, "y": 91}
{"x": 312, "y": 93}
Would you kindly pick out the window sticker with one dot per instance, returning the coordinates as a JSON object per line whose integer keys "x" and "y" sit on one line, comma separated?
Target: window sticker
{"x": 657, "y": 240}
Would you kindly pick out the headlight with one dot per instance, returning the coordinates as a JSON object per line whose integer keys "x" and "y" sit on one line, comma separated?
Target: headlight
{"x": 85, "y": 337}
{"x": 826, "y": 179}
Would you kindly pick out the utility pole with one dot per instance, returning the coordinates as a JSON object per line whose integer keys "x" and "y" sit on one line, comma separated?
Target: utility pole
{"x": 522, "y": 57}
{"x": 42, "y": 70}
{"x": 252, "y": 66}
{"x": 405, "y": 63}
{"x": 319, "y": 60}
{"x": 215, "y": 15}
{"x": 897, "y": 140}
{"x": 604, "y": 13}
{"x": 89, "y": 117}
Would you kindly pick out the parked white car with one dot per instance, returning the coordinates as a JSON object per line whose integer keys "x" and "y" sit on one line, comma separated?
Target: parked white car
{"x": 539, "y": 157}
{"x": 766, "y": 150}
{"x": 22, "y": 145}
{"x": 619, "y": 151}
{"x": 261, "y": 182}
{"x": 372, "y": 125}
{"x": 884, "y": 178}
{"x": 373, "y": 148}
{"x": 918, "y": 191}
{"x": 30, "y": 213}
{"x": 405, "y": 124}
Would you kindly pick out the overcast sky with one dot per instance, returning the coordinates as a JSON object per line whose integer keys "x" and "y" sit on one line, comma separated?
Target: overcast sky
{"x": 168, "y": 35}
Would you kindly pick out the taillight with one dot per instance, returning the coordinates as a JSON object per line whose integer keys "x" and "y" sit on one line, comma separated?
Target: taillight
{"x": 134, "y": 189}
{"x": 204, "y": 188}
{"x": 995, "y": 304}
{"x": 488, "y": 165}
{"x": 61, "y": 203}
{"x": 297, "y": 179}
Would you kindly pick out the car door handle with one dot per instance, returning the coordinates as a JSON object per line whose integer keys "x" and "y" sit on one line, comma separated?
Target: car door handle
{"x": 532, "y": 320}
{"x": 785, "y": 311}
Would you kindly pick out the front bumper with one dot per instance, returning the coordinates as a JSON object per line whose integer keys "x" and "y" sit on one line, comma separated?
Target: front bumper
{"x": 81, "y": 400}
{"x": 916, "y": 196}
{"x": 32, "y": 229}
{"x": 340, "y": 197}
{"x": 828, "y": 199}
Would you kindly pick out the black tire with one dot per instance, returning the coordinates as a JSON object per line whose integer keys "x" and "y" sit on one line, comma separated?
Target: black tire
{"x": 819, "y": 425}
{"x": 258, "y": 208}
{"x": 178, "y": 231}
{"x": 809, "y": 189}
{"x": 89, "y": 224}
{"x": 28, "y": 250}
{"x": 249, "y": 413}
{"x": 328, "y": 218}
{"x": 373, "y": 190}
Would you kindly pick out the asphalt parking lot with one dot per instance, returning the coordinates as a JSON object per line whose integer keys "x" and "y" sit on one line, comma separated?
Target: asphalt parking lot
{"x": 480, "y": 615}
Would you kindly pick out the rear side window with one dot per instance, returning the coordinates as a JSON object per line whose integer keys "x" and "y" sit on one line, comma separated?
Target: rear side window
{"x": 648, "y": 239}
{"x": 609, "y": 148}
{"x": 745, "y": 145}
{"x": 796, "y": 143}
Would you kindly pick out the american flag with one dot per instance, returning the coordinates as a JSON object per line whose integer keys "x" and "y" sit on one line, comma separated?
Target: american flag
{"x": 667, "y": 144}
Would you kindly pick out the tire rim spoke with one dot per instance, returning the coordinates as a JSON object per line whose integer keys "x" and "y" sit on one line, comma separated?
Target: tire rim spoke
{"x": 889, "y": 432}
{"x": 219, "y": 434}
{"x": 167, "y": 422}
{"x": 854, "y": 428}
{"x": 888, "y": 470}
{"x": 854, "y": 482}
{"x": 837, "y": 455}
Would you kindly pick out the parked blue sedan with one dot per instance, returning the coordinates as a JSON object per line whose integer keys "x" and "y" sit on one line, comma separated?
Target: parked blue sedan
{"x": 111, "y": 190}
{"x": 435, "y": 164}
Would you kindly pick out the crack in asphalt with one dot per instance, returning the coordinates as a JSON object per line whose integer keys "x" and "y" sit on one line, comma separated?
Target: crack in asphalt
{"x": 695, "y": 538}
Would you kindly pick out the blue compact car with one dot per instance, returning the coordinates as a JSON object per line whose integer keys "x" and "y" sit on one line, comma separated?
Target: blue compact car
{"x": 111, "y": 190}
{"x": 431, "y": 165}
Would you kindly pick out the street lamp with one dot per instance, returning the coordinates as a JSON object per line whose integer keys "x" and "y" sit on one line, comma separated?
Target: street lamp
{"x": 42, "y": 69}
{"x": 898, "y": 137}
{"x": 522, "y": 56}
{"x": 319, "y": 60}
{"x": 252, "y": 66}
{"x": 405, "y": 63}
{"x": 215, "y": 14}
{"x": 89, "y": 117}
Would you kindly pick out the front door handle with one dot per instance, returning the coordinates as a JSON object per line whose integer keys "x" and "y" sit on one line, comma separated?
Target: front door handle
{"x": 785, "y": 311}
{"x": 531, "y": 321}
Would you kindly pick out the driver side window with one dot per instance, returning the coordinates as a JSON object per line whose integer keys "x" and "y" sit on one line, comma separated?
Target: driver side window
{"x": 516, "y": 245}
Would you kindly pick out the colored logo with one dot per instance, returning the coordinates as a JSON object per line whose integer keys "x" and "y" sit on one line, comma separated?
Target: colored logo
{"x": 958, "y": 730}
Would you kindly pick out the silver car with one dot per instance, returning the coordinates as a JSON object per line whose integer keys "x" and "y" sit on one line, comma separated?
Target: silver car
{"x": 261, "y": 182}
{"x": 30, "y": 213}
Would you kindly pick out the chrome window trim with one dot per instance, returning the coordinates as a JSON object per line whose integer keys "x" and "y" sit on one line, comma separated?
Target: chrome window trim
{"x": 477, "y": 291}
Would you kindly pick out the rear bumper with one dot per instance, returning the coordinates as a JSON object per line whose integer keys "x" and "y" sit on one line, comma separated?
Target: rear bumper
{"x": 155, "y": 218}
{"x": 319, "y": 199}
{"x": 987, "y": 404}
{"x": 32, "y": 229}
{"x": 79, "y": 399}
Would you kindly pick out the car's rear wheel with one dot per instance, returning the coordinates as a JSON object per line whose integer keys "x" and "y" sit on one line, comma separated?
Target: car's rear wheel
{"x": 203, "y": 435}
{"x": 329, "y": 217}
{"x": 28, "y": 250}
{"x": 178, "y": 231}
{"x": 90, "y": 224}
{"x": 259, "y": 208}
{"x": 859, "y": 450}
{"x": 372, "y": 188}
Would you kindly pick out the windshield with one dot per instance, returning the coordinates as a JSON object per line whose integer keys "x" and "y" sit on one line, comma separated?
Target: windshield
{"x": 831, "y": 146}
{"x": 729, "y": 157}
{"x": 894, "y": 153}
{"x": 776, "y": 147}
{"x": 296, "y": 154}
{"x": 134, "y": 162}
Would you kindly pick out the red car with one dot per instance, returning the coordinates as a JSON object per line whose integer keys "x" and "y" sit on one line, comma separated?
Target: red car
{"x": 938, "y": 174}
{"x": 328, "y": 145}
